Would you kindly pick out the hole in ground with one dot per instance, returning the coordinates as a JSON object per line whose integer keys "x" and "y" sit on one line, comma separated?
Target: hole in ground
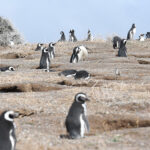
{"x": 79, "y": 83}
{"x": 14, "y": 55}
{"x": 143, "y": 62}
{"x": 30, "y": 87}
{"x": 100, "y": 124}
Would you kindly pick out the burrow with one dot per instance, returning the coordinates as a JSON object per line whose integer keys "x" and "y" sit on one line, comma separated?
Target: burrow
{"x": 28, "y": 87}
{"x": 99, "y": 124}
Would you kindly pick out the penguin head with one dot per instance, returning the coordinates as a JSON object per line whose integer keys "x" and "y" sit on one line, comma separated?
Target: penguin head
{"x": 9, "y": 115}
{"x": 45, "y": 50}
{"x": 39, "y": 46}
{"x": 81, "y": 98}
{"x": 123, "y": 42}
{"x": 133, "y": 25}
{"x": 62, "y": 33}
{"x": 52, "y": 44}
{"x": 89, "y": 31}
{"x": 11, "y": 69}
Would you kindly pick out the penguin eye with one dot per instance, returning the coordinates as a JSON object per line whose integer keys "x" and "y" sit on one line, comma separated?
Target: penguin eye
{"x": 81, "y": 99}
{"x": 11, "y": 116}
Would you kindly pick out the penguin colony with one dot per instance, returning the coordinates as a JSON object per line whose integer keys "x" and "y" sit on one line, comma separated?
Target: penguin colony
{"x": 76, "y": 121}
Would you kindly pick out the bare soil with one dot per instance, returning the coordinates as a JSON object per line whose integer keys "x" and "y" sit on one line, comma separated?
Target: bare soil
{"x": 119, "y": 110}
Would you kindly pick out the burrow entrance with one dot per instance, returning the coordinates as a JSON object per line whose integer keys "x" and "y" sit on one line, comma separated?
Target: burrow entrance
{"x": 100, "y": 124}
{"x": 29, "y": 87}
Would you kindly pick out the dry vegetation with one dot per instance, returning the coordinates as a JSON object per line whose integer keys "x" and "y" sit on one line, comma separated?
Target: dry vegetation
{"x": 119, "y": 110}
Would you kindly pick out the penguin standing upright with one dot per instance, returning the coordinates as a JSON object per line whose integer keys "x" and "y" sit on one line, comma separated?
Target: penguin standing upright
{"x": 45, "y": 59}
{"x": 51, "y": 49}
{"x": 89, "y": 37}
{"x": 76, "y": 120}
{"x": 122, "y": 50}
{"x": 63, "y": 37}
{"x": 72, "y": 37}
{"x": 7, "y": 130}
{"x": 131, "y": 32}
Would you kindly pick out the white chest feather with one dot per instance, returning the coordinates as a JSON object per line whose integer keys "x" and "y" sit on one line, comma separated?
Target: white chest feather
{"x": 82, "y": 130}
{"x": 12, "y": 140}
{"x": 134, "y": 31}
{"x": 84, "y": 107}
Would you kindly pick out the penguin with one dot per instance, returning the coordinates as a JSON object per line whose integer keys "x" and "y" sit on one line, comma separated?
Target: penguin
{"x": 141, "y": 37}
{"x": 39, "y": 47}
{"x": 131, "y": 32}
{"x": 7, "y": 130}
{"x": 122, "y": 50}
{"x": 45, "y": 59}
{"x": 7, "y": 69}
{"x": 68, "y": 73}
{"x": 51, "y": 49}
{"x": 147, "y": 35}
{"x": 79, "y": 53}
{"x": 72, "y": 37}
{"x": 89, "y": 37}
{"x": 76, "y": 121}
{"x": 116, "y": 42}
{"x": 63, "y": 37}
{"x": 82, "y": 74}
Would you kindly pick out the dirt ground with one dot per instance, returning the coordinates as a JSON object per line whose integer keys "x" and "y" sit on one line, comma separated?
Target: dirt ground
{"x": 119, "y": 110}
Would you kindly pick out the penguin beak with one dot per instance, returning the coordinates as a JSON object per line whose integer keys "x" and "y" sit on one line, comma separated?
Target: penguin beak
{"x": 54, "y": 44}
{"x": 15, "y": 115}
{"x": 87, "y": 99}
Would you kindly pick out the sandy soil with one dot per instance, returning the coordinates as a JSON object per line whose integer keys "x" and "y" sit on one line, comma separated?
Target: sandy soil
{"x": 119, "y": 110}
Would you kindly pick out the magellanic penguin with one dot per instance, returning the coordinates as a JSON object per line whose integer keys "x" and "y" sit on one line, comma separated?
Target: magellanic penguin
{"x": 76, "y": 120}
{"x": 68, "y": 73}
{"x": 89, "y": 37}
{"x": 45, "y": 59}
{"x": 7, "y": 130}
{"x": 63, "y": 37}
{"x": 147, "y": 35}
{"x": 82, "y": 74}
{"x": 116, "y": 42}
{"x": 72, "y": 37}
{"x": 122, "y": 50}
{"x": 51, "y": 49}
{"x": 141, "y": 37}
{"x": 131, "y": 32}
{"x": 7, "y": 69}
{"x": 39, "y": 47}
{"x": 79, "y": 53}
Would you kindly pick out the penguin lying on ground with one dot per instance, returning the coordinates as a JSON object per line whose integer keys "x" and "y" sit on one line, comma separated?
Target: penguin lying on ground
{"x": 68, "y": 73}
{"x": 7, "y": 69}
{"x": 79, "y": 53}
{"x": 76, "y": 121}
{"x": 82, "y": 74}
{"x": 7, "y": 130}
